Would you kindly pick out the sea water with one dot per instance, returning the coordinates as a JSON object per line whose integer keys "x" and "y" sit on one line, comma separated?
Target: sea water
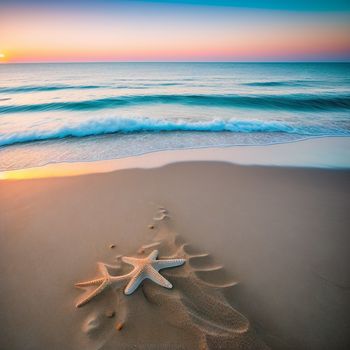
{"x": 92, "y": 111}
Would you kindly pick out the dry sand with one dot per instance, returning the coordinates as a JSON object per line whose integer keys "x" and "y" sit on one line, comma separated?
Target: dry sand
{"x": 277, "y": 274}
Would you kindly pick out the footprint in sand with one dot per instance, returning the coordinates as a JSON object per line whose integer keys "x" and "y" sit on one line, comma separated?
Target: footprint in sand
{"x": 91, "y": 324}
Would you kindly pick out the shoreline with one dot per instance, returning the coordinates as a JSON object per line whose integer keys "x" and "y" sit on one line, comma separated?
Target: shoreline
{"x": 323, "y": 152}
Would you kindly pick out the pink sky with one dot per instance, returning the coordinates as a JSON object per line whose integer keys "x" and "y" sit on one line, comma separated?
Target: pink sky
{"x": 170, "y": 33}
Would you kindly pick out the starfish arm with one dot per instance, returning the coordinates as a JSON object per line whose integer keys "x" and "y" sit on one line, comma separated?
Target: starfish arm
{"x": 103, "y": 269}
{"x": 121, "y": 278}
{"x": 115, "y": 267}
{"x": 163, "y": 264}
{"x": 153, "y": 255}
{"x": 134, "y": 283}
{"x": 131, "y": 261}
{"x": 94, "y": 282}
{"x": 93, "y": 294}
{"x": 156, "y": 277}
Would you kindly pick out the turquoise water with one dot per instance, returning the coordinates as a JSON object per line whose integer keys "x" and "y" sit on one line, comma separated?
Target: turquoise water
{"x": 92, "y": 111}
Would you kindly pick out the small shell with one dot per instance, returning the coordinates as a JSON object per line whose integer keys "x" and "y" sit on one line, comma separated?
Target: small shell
{"x": 110, "y": 313}
{"x": 119, "y": 326}
{"x": 160, "y": 218}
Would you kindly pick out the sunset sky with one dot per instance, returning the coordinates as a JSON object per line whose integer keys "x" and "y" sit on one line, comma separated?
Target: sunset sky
{"x": 187, "y": 30}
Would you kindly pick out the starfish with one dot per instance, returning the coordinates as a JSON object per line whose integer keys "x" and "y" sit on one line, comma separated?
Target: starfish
{"x": 103, "y": 282}
{"x": 143, "y": 268}
{"x": 148, "y": 268}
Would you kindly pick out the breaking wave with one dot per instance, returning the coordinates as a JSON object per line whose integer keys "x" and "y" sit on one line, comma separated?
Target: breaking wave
{"x": 103, "y": 126}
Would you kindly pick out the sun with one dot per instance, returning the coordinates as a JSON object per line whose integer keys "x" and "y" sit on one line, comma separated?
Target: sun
{"x": 3, "y": 58}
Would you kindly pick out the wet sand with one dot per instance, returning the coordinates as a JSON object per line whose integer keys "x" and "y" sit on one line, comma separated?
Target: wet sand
{"x": 276, "y": 274}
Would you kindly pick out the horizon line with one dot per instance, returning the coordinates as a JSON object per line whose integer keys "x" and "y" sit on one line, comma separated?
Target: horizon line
{"x": 272, "y": 61}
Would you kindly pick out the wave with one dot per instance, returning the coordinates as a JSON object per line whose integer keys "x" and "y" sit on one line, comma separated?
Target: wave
{"x": 128, "y": 125}
{"x": 279, "y": 83}
{"x": 43, "y": 88}
{"x": 297, "y": 102}
{"x": 37, "y": 88}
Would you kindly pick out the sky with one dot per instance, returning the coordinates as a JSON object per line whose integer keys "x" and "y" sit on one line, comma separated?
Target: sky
{"x": 174, "y": 30}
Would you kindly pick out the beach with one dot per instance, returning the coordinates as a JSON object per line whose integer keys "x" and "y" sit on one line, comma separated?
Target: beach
{"x": 266, "y": 250}
{"x": 174, "y": 175}
{"x": 184, "y": 205}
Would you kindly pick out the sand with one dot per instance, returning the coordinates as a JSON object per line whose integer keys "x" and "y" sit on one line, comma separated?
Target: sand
{"x": 266, "y": 249}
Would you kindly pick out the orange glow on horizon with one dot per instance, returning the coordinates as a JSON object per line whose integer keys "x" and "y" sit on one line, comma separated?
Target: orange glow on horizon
{"x": 250, "y": 52}
{"x": 229, "y": 35}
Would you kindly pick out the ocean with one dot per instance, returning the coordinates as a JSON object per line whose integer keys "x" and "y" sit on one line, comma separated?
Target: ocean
{"x": 72, "y": 112}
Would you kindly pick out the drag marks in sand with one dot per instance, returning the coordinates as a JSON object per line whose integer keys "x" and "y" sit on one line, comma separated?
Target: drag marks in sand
{"x": 194, "y": 308}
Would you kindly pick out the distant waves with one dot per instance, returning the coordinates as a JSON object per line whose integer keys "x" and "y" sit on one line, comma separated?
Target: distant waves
{"x": 296, "y": 102}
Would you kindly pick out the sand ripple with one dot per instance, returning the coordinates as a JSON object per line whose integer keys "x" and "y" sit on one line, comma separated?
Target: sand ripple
{"x": 196, "y": 305}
